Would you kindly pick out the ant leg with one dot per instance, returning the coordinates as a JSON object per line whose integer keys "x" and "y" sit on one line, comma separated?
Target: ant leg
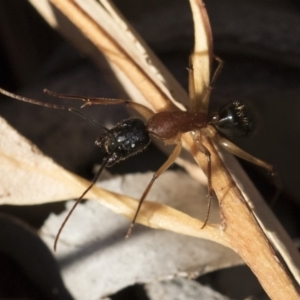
{"x": 86, "y": 99}
{"x": 216, "y": 74}
{"x": 161, "y": 170}
{"x": 191, "y": 87}
{"x": 96, "y": 177}
{"x": 218, "y": 69}
{"x": 206, "y": 152}
{"x": 200, "y": 95}
{"x": 232, "y": 148}
{"x": 78, "y": 113}
{"x": 148, "y": 113}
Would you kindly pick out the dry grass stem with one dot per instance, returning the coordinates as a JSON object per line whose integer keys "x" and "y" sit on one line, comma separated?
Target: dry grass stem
{"x": 239, "y": 229}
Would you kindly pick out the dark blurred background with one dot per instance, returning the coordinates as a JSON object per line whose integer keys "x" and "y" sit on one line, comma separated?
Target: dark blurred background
{"x": 259, "y": 42}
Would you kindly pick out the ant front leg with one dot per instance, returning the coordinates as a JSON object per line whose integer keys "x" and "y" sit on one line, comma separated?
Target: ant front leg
{"x": 161, "y": 170}
{"x": 235, "y": 150}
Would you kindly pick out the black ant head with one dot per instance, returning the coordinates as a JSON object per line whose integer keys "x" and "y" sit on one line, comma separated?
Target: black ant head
{"x": 123, "y": 140}
{"x": 232, "y": 119}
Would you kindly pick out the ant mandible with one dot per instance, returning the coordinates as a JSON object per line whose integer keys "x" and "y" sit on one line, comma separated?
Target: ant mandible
{"x": 132, "y": 136}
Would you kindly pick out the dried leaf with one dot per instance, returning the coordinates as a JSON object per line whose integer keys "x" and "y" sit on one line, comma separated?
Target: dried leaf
{"x": 96, "y": 260}
{"x": 27, "y": 176}
{"x": 181, "y": 289}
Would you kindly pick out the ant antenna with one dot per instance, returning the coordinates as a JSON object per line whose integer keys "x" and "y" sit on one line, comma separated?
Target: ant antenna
{"x": 96, "y": 177}
{"x": 50, "y": 105}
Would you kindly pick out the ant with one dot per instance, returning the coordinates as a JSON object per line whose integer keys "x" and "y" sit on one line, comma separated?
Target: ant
{"x": 132, "y": 136}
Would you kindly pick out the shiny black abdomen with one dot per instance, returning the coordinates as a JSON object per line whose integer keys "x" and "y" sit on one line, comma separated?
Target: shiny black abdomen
{"x": 125, "y": 139}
